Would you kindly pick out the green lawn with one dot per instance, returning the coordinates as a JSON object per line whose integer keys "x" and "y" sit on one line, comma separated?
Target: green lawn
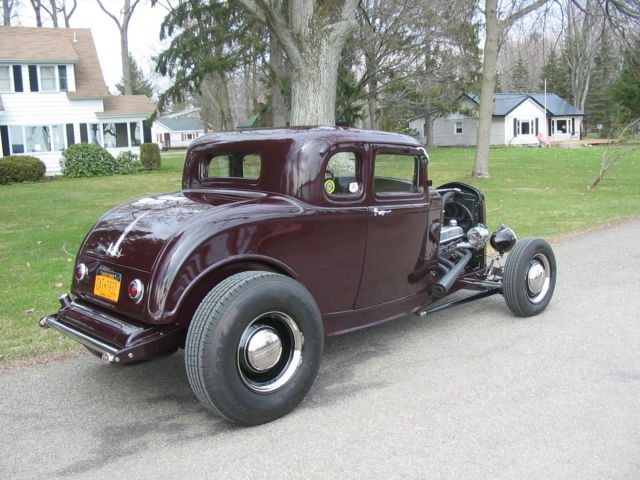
{"x": 540, "y": 192}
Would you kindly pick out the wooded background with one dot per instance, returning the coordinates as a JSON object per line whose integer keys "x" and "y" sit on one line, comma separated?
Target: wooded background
{"x": 377, "y": 63}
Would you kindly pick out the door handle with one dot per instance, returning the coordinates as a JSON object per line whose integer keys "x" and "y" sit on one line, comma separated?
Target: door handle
{"x": 380, "y": 213}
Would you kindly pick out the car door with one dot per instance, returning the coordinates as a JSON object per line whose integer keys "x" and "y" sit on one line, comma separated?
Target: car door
{"x": 398, "y": 238}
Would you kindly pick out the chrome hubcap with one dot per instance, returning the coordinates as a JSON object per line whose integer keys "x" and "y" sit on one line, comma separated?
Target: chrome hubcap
{"x": 263, "y": 349}
{"x": 269, "y": 352}
{"x": 538, "y": 278}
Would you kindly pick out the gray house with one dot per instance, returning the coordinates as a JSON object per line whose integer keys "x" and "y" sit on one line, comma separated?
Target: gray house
{"x": 518, "y": 119}
{"x": 176, "y": 131}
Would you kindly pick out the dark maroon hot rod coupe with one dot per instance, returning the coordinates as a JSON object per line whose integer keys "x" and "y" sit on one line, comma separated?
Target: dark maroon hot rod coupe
{"x": 278, "y": 238}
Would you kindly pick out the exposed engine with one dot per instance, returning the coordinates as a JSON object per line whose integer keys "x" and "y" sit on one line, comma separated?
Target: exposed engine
{"x": 463, "y": 235}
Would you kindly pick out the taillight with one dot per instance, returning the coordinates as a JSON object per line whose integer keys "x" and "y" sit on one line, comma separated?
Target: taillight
{"x": 136, "y": 290}
{"x": 81, "y": 271}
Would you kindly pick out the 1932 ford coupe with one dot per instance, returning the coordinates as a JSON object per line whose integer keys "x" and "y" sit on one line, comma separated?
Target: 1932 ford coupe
{"x": 278, "y": 238}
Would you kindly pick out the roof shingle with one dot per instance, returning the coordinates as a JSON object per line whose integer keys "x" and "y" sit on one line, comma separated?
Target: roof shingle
{"x": 127, "y": 105}
{"x": 57, "y": 45}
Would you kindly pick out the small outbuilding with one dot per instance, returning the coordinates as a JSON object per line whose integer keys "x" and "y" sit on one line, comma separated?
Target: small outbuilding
{"x": 518, "y": 119}
{"x": 176, "y": 132}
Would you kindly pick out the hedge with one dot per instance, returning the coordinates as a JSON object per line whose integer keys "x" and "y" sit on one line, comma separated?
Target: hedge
{"x": 20, "y": 168}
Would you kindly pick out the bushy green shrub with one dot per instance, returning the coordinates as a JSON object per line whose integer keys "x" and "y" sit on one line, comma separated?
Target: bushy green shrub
{"x": 150, "y": 156}
{"x": 87, "y": 160}
{"x": 20, "y": 168}
{"x": 128, "y": 162}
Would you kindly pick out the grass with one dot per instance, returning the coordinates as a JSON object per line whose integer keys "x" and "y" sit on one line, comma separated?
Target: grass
{"x": 541, "y": 192}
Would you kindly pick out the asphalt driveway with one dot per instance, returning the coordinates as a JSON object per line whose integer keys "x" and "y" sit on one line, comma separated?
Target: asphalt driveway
{"x": 468, "y": 393}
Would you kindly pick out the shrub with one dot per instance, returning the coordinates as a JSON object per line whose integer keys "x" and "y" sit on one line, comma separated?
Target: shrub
{"x": 150, "y": 156}
{"x": 128, "y": 162}
{"x": 87, "y": 160}
{"x": 20, "y": 168}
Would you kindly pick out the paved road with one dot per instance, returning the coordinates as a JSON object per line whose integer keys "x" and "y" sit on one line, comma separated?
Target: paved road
{"x": 469, "y": 393}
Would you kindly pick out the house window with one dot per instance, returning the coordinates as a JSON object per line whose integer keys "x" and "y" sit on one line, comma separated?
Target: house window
{"x": 48, "y": 79}
{"x": 134, "y": 131}
{"x": 457, "y": 127}
{"x": 62, "y": 78}
{"x": 561, "y": 126}
{"x": 94, "y": 133}
{"x": 36, "y": 138}
{"x": 5, "y": 78}
{"x": 58, "y": 137}
{"x": 525, "y": 127}
{"x": 115, "y": 135}
{"x": 17, "y": 139}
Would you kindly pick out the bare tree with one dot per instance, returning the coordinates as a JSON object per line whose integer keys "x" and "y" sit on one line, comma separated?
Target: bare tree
{"x": 122, "y": 22}
{"x": 9, "y": 8}
{"x": 617, "y": 151}
{"x": 313, "y": 34}
{"x": 495, "y": 28}
{"x": 586, "y": 27}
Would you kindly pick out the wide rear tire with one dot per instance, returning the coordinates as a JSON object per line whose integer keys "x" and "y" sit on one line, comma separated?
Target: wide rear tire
{"x": 529, "y": 277}
{"x": 254, "y": 347}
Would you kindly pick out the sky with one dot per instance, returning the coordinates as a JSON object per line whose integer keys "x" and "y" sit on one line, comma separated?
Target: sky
{"x": 144, "y": 31}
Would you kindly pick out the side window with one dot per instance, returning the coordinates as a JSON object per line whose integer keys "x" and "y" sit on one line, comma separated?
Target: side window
{"x": 396, "y": 173}
{"x": 234, "y": 165}
{"x": 343, "y": 175}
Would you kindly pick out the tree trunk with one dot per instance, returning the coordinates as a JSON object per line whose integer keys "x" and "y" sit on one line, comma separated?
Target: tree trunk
{"x": 313, "y": 35}
{"x": 278, "y": 106}
{"x": 428, "y": 127}
{"x": 124, "y": 58}
{"x": 313, "y": 85}
{"x": 487, "y": 89}
{"x": 372, "y": 84}
{"x": 6, "y": 13}
{"x": 54, "y": 13}
{"x": 37, "y": 6}
{"x": 215, "y": 108}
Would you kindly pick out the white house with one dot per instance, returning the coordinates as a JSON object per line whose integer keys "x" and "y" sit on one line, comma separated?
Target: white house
{"x": 53, "y": 94}
{"x": 176, "y": 131}
{"x": 518, "y": 118}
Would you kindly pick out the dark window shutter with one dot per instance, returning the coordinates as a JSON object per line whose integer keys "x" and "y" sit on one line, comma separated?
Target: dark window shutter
{"x": 84, "y": 133}
{"x": 33, "y": 78}
{"x": 573, "y": 126}
{"x": 17, "y": 78}
{"x": 515, "y": 127}
{"x": 146, "y": 132}
{"x": 70, "y": 135}
{"x": 4, "y": 133}
{"x": 536, "y": 125}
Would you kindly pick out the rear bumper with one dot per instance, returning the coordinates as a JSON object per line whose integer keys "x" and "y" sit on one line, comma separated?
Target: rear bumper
{"x": 116, "y": 338}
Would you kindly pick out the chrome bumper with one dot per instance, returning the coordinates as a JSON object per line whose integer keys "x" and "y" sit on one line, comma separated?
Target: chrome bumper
{"x": 107, "y": 352}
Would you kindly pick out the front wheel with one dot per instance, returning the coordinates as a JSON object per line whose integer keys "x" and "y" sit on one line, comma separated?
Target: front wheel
{"x": 529, "y": 277}
{"x": 254, "y": 346}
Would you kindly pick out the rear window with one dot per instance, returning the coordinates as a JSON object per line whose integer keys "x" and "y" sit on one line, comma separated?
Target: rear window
{"x": 234, "y": 165}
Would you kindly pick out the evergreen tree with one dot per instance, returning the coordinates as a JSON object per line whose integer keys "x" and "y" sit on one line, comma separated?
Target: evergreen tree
{"x": 626, "y": 90}
{"x": 520, "y": 76}
{"x": 139, "y": 84}
{"x": 599, "y": 107}
{"x": 557, "y": 77}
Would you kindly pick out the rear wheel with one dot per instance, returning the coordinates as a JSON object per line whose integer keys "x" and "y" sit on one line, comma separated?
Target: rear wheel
{"x": 529, "y": 277}
{"x": 254, "y": 346}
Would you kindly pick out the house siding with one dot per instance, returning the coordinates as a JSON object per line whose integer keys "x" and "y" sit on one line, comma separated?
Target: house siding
{"x": 57, "y": 109}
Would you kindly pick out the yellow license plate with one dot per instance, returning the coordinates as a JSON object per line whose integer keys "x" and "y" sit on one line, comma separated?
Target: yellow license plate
{"x": 107, "y": 285}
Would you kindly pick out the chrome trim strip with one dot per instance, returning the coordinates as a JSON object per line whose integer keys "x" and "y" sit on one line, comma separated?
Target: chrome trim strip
{"x": 108, "y": 352}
